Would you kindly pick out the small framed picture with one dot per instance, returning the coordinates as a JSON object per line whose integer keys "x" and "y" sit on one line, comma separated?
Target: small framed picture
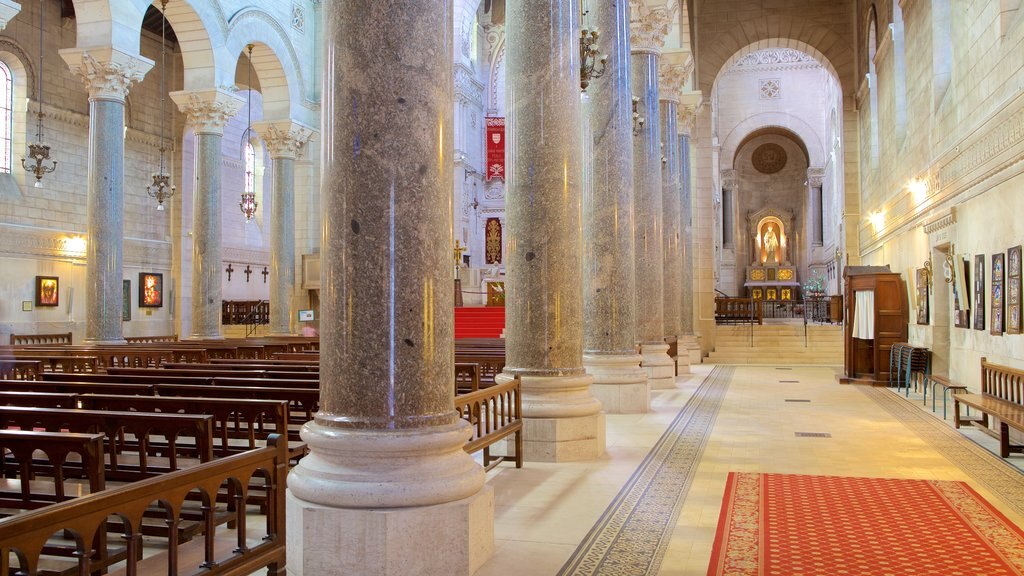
{"x": 47, "y": 291}
{"x": 305, "y": 315}
{"x": 151, "y": 290}
{"x": 126, "y": 300}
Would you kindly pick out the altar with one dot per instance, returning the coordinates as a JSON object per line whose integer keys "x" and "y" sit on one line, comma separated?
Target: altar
{"x": 771, "y": 277}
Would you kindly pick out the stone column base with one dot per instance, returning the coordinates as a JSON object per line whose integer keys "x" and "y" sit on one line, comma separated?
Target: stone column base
{"x": 683, "y": 362}
{"x": 660, "y": 368}
{"x": 619, "y": 382}
{"x": 454, "y": 538}
{"x": 691, "y": 343}
{"x": 562, "y": 420}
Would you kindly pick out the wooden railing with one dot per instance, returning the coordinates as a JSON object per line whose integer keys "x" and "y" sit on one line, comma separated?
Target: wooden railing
{"x": 83, "y": 520}
{"x": 737, "y": 311}
{"x": 31, "y": 339}
{"x": 151, "y": 339}
{"x": 494, "y": 413}
{"x": 245, "y": 312}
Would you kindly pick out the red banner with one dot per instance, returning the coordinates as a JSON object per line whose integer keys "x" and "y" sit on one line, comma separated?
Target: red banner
{"x": 495, "y": 148}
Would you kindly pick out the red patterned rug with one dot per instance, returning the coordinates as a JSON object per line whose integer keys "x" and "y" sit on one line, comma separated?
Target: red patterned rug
{"x": 827, "y": 526}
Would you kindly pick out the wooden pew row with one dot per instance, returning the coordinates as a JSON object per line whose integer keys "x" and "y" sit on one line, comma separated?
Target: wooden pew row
{"x": 31, "y": 339}
{"x": 55, "y": 362}
{"x": 25, "y": 536}
{"x": 14, "y": 369}
{"x": 215, "y": 373}
{"x": 233, "y": 364}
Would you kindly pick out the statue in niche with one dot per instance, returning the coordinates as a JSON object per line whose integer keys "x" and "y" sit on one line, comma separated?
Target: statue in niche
{"x": 771, "y": 244}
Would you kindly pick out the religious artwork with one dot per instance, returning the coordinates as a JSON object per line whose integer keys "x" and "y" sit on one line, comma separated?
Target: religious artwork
{"x": 151, "y": 290}
{"x": 47, "y": 291}
{"x": 495, "y": 148}
{"x": 787, "y": 293}
{"x": 771, "y": 243}
{"x": 492, "y": 241}
{"x": 979, "y": 292}
{"x": 126, "y": 300}
{"x": 996, "y": 326}
{"x": 785, "y": 273}
{"x": 961, "y": 302}
{"x": 922, "y": 296}
{"x": 757, "y": 294}
{"x": 769, "y": 158}
{"x": 772, "y": 294}
{"x": 1013, "y": 289}
{"x": 757, "y": 274}
{"x": 496, "y": 293}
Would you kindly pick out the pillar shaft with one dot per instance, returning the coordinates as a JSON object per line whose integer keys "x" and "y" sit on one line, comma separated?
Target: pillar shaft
{"x": 107, "y": 73}
{"x": 282, "y": 246}
{"x": 648, "y": 203}
{"x": 686, "y": 213}
{"x": 673, "y": 258}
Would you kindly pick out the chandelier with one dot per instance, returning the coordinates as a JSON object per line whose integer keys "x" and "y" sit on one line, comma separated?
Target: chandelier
{"x": 248, "y": 202}
{"x": 39, "y": 153}
{"x": 590, "y": 56}
{"x": 161, "y": 188}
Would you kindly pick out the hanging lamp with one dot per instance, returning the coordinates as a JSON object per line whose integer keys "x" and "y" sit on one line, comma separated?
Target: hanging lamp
{"x": 39, "y": 153}
{"x": 248, "y": 202}
{"x": 161, "y": 188}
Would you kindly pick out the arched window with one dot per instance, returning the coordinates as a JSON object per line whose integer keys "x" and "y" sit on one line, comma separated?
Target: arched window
{"x": 250, "y": 166}
{"x": 6, "y": 117}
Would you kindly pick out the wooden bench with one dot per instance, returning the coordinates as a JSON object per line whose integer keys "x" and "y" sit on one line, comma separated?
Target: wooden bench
{"x": 494, "y": 413}
{"x": 38, "y": 399}
{"x": 1002, "y": 397}
{"x": 58, "y": 362}
{"x": 20, "y": 450}
{"x": 25, "y": 536}
{"x": 30, "y": 339}
{"x": 15, "y": 369}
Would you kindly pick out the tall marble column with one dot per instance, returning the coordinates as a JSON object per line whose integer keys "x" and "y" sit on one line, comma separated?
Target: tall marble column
{"x": 387, "y": 487}
{"x": 285, "y": 140}
{"x": 609, "y": 280}
{"x": 647, "y": 35}
{"x": 208, "y": 111}
{"x": 688, "y": 336}
{"x": 544, "y": 296}
{"x": 107, "y": 72}
{"x": 671, "y": 76}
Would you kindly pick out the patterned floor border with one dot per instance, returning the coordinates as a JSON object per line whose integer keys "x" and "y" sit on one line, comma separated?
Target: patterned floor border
{"x": 988, "y": 469}
{"x": 633, "y": 533}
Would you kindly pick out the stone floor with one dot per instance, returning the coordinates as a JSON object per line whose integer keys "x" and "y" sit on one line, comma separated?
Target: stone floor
{"x": 545, "y": 511}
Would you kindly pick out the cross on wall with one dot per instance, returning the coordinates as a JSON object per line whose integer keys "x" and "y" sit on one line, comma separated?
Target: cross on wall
{"x": 229, "y": 270}
{"x": 265, "y": 274}
{"x": 248, "y": 272}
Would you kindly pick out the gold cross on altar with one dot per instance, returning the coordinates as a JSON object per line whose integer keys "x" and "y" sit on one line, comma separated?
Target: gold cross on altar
{"x": 458, "y": 250}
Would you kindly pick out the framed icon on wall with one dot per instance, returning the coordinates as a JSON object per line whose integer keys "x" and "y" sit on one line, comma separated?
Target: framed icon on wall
{"x": 151, "y": 290}
{"x": 47, "y": 291}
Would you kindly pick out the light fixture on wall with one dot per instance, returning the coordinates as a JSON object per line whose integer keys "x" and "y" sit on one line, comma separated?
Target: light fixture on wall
{"x": 928, "y": 272}
{"x": 248, "y": 202}
{"x": 638, "y": 120}
{"x": 590, "y": 56}
{"x": 161, "y": 188}
{"x": 38, "y": 152}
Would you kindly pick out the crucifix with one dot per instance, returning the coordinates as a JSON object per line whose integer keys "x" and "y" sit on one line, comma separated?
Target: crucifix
{"x": 229, "y": 270}
{"x": 265, "y": 274}
{"x": 248, "y": 272}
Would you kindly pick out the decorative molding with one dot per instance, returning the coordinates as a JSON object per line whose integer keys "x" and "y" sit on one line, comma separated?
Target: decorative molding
{"x": 468, "y": 90}
{"x": 50, "y": 244}
{"x": 730, "y": 180}
{"x": 940, "y": 222}
{"x": 815, "y": 177}
{"x": 284, "y": 139}
{"x": 495, "y": 38}
{"x": 107, "y": 72}
{"x": 673, "y": 72}
{"x": 8, "y": 10}
{"x": 299, "y": 18}
{"x": 774, "y": 59}
{"x": 648, "y": 25}
{"x": 208, "y": 111}
{"x": 769, "y": 89}
{"x": 245, "y": 256}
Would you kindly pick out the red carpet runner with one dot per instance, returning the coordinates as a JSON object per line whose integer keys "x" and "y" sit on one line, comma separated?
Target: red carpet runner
{"x": 479, "y": 321}
{"x": 828, "y": 526}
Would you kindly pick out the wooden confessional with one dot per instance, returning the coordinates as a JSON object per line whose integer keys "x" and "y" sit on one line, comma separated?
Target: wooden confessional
{"x": 883, "y": 322}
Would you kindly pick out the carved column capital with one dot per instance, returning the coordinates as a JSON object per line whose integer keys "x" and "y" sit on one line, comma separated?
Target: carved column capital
{"x": 284, "y": 138}
{"x": 649, "y": 23}
{"x": 815, "y": 176}
{"x": 674, "y": 70}
{"x": 690, "y": 105}
{"x": 106, "y": 71}
{"x": 208, "y": 111}
{"x": 729, "y": 180}
{"x": 8, "y": 10}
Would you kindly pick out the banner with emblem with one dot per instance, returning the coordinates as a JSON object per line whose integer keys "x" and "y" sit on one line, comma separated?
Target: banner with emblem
{"x": 495, "y": 148}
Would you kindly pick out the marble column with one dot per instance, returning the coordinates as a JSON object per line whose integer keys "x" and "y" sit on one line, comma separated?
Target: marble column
{"x": 208, "y": 111}
{"x": 671, "y": 76}
{"x": 544, "y": 289}
{"x": 647, "y": 36}
{"x": 387, "y": 487}
{"x": 688, "y": 336}
{"x": 107, "y": 72}
{"x": 609, "y": 280}
{"x": 8, "y": 10}
{"x": 285, "y": 141}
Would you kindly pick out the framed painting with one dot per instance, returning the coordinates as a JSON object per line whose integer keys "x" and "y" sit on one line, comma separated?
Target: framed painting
{"x": 979, "y": 292}
{"x": 961, "y": 302}
{"x": 47, "y": 291}
{"x": 996, "y": 324}
{"x": 126, "y": 300}
{"x": 922, "y": 296}
{"x": 1013, "y": 289}
{"x": 151, "y": 290}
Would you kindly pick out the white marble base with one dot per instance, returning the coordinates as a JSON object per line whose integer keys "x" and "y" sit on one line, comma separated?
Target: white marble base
{"x": 683, "y": 362}
{"x": 692, "y": 345}
{"x": 562, "y": 420}
{"x": 660, "y": 368}
{"x": 454, "y": 538}
{"x": 619, "y": 383}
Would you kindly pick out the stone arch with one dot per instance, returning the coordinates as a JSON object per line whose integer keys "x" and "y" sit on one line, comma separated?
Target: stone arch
{"x": 802, "y": 133}
{"x": 835, "y": 52}
{"x": 274, "y": 60}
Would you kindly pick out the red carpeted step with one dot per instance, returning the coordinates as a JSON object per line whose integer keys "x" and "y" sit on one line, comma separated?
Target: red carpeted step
{"x": 479, "y": 321}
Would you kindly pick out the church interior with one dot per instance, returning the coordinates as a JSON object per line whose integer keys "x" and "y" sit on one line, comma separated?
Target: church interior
{"x": 571, "y": 287}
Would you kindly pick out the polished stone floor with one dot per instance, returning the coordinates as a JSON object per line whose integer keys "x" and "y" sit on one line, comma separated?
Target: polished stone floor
{"x": 669, "y": 467}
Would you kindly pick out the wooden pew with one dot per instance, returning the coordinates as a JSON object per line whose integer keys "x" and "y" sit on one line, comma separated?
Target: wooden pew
{"x": 151, "y": 339}
{"x": 20, "y": 449}
{"x": 14, "y": 369}
{"x": 303, "y": 402}
{"x": 30, "y": 339}
{"x": 38, "y": 399}
{"x": 216, "y": 373}
{"x": 25, "y": 536}
{"x": 494, "y": 413}
{"x": 58, "y": 362}
{"x": 234, "y": 364}
{"x": 74, "y": 386}
{"x": 1002, "y": 397}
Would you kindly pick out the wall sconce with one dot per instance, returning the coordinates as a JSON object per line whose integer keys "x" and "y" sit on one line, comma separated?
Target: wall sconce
{"x": 928, "y": 272}
{"x": 638, "y": 120}
{"x": 839, "y": 253}
{"x": 877, "y": 220}
{"x": 590, "y": 58}
{"x": 75, "y": 245}
{"x": 949, "y": 265}
{"x": 919, "y": 188}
